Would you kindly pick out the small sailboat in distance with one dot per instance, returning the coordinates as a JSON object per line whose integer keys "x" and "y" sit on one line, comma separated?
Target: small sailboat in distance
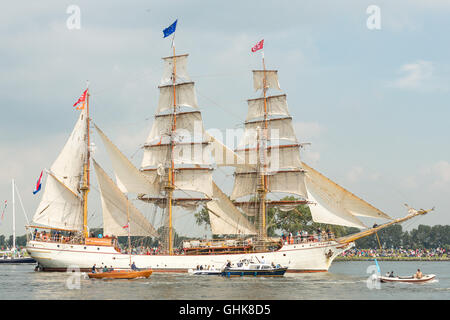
{"x": 13, "y": 256}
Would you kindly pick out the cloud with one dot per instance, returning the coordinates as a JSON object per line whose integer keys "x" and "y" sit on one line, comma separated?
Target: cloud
{"x": 358, "y": 173}
{"x": 414, "y": 75}
{"x": 435, "y": 176}
{"x": 308, "y": 130}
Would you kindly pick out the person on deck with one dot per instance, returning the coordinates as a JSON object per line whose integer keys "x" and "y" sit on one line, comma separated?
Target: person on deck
{"x": 93, "y": 269}
{"x": 133, "y": 266}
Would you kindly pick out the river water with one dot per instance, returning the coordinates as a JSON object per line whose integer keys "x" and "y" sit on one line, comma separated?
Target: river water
{"x": 344, "y": 281}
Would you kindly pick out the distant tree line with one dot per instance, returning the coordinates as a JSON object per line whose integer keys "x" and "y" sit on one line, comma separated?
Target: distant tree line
{"x": 298, "y": 219}
{"x": 424, "y": 237}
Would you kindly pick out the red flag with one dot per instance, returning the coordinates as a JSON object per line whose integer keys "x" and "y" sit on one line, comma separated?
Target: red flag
{"x": 125, "y": 226}
{"x": 258, "y": 46}
{"x": 81, "y": 100}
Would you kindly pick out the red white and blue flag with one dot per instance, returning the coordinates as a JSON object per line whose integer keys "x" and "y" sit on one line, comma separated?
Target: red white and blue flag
{"x": 258, "y": 46}
{"x": 38, "y": 184}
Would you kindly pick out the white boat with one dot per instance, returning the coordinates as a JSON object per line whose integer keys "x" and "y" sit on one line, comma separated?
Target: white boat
{"x": 212, "y": 271}
{"x": 409, "y": 279}
{"x": 176, "y": 171}
{"x": 247, "y": 267}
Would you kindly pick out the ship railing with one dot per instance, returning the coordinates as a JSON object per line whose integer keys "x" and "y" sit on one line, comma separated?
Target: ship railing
{"x": 216, "y": 243}
{"x": 301, "y": 239}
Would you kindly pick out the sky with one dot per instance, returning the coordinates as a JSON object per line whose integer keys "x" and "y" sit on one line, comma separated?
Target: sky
{"x": 368, "y": 88}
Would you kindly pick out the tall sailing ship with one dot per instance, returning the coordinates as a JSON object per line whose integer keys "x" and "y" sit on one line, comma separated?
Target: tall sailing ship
{"x": 177, "y": 171}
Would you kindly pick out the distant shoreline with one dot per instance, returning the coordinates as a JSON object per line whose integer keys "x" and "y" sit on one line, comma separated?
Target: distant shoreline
{"x": 392, "y": 258}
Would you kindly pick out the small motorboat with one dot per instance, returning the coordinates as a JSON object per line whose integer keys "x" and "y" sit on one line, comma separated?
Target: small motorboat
{"x": 424, "y": 278}
{"x": 250, "y": 268}
{"x": 16, "y": 260}
{"x": 202, "y": 272}
{"x": 121, "y": 274}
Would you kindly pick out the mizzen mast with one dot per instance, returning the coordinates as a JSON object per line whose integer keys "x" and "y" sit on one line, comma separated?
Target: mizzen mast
{"x": 269, "y": 141}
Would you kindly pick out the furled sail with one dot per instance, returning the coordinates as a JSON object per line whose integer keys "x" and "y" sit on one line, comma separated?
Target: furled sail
{"x": 334, "y": 204}
{"x": 61, "y": 205}
{"x": 225, "y": 218}
{"x": 128, "y": 177}
{"x": 116, "y": 209}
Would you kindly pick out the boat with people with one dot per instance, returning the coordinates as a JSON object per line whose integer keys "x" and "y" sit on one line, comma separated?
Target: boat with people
{"x": 409, "y": 279}
{"x": 16, "y": 259}
{"x": 247, "y": 267}
{"x": 121, "y": 274}
{"x": 418, "y": 277}
{"x": 179, "y": 158}
{"x": 208, "y": 271}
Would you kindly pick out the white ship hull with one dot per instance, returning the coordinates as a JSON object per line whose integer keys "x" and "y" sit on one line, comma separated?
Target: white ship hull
{"x": 303, "y": 257}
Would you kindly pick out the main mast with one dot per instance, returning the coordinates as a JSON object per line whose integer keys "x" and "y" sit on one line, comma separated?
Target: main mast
{"x": 170, "y": 181}
{"x": 14, "y": 217}
{"x": 86, "y": 179}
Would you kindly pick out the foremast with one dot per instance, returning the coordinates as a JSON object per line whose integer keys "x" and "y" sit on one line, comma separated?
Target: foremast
{"x": 85, "y": 188}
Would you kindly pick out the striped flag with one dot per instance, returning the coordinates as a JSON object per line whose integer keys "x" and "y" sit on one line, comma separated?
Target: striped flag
{"x": 38, "y": 184}
{"x": 81, "y": 101}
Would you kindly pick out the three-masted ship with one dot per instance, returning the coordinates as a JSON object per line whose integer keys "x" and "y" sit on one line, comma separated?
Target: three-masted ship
{"x": 177, "y": 171}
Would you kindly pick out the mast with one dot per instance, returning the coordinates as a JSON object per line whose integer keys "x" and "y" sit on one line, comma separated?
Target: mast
{"x": 262, "y": 188}
{"x": 14, "y": 218}
{"x": 86, "y": 180}
{"x": 128, "y": 228}
{"x": 170, "y": 181}
{"x": 269, "y": 138}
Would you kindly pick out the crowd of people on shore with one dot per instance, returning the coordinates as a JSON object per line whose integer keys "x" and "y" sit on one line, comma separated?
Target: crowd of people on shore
{"x": 396, "y": 252}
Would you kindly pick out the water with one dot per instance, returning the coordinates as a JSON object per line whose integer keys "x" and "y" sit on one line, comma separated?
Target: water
{"x": 345, "y": 280}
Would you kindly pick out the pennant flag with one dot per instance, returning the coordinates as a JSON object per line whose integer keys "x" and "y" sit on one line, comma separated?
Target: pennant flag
{"x": 38, "y": 184}
{"x": 258, "y": 46}
{"x": 81, "y": 100}
{"x": 378, "y": 267}
{"x": 171, "y": 29}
